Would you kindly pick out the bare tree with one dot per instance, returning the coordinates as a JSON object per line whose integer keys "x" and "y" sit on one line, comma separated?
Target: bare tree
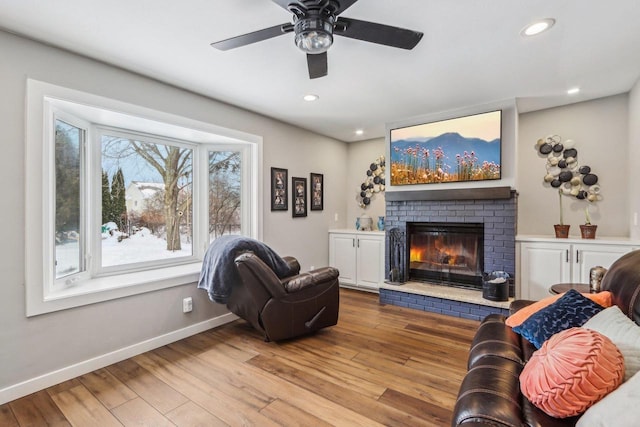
{"x": 224, "y": 192}
{"x": 172, "y": 163}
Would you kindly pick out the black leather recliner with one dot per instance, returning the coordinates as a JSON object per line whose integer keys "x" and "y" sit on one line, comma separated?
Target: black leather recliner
{"x": 284, "y": 308}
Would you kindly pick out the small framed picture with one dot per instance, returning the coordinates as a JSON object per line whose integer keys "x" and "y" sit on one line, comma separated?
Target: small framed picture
{"x": 317, "y": 191}
{"x": 299, "y": 196}
{"x": 279, "y": 190}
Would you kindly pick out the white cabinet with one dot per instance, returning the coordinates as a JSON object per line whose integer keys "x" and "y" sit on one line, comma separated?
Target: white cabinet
{"x": 359, "y": 256}
{"x": 543, "y": 263}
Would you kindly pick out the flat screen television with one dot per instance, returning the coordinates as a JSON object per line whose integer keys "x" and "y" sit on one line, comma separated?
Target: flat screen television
{"x": 460, "y": 149}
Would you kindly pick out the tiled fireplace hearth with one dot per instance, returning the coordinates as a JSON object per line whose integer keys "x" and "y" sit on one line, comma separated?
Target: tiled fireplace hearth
{"x": 494, "y": 208}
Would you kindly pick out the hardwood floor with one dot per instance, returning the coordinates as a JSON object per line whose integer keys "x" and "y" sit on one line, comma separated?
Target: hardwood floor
{"x": 381, "y": 365}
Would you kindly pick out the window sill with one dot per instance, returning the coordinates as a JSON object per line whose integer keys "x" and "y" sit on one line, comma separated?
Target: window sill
{"x": 107, "y": 288}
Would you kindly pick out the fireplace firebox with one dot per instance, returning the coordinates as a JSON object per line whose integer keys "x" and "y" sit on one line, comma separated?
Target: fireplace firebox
{"x": 446, "y": 253}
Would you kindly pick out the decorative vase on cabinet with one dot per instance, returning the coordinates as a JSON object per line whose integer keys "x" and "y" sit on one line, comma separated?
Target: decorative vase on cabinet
{"x": 381, "y": 223}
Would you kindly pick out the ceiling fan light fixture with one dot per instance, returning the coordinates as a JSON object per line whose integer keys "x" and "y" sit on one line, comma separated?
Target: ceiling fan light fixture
{"x": 314, "y": 35}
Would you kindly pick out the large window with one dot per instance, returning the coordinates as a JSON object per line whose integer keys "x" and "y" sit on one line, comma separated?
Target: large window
{"x": 147, "y": 199}
{"x": 127, "y": 204}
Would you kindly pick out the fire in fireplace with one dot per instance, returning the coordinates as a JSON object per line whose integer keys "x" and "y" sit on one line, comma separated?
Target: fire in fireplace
{"x": 446, "y": 253}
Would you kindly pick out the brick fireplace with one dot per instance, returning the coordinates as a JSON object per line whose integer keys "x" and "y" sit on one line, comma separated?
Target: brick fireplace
{"x": 493, "y": 208}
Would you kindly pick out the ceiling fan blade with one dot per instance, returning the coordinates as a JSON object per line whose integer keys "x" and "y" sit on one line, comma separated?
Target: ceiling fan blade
{"x": 377, "y": 33}
{"x": 256, "y": 36}
{"x": 317, "y": 64}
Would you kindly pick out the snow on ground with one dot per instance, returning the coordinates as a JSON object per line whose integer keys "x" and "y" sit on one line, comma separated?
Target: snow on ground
{"x": 139, "y": 247}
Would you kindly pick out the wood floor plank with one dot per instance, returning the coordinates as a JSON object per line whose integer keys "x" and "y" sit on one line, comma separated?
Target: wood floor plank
{"x": 435, "y": 414}
{"x": 309, "y": 401}
{"x": 380, "y": 365}
{"x": 230, "y": 378}
{"x": 282, "y": 412}
{"x": 107, "y": 388}
{"x": 163, "y": 397}
{"x": 192, "y": 415}
{"x": 81, "y": 408}
{"x": 138, "y": 413}
{"x": 202, "y": 393}
{"x": 6, "y": 416}
{"x": 38, "y": 409}
{"x": 380, "y": 413}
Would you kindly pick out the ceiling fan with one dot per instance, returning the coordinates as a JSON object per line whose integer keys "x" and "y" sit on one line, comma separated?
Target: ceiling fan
{"x": 315, "y": 22}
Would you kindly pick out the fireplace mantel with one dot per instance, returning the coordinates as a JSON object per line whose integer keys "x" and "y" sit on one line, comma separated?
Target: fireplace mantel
{"x": 483, "y": 193}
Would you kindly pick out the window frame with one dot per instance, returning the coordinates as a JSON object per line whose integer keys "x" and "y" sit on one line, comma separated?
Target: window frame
{"x": 98, "y": 270}
{"x": 46, "y": 101}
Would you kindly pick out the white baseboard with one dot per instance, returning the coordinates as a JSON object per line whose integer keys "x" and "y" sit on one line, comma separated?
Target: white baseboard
{"x": 41, "y": 382}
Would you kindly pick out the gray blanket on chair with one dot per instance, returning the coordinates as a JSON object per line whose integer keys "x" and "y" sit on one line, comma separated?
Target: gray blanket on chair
{"x": 219, "y": 271}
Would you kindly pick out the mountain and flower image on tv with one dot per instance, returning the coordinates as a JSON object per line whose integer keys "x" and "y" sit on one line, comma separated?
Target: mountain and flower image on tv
{"x": 454, "y": 150}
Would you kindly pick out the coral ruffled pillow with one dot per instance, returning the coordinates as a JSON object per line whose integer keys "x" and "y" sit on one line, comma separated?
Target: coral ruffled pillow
{"x": 601, "y": 298}
{"x": 573, "y": 370}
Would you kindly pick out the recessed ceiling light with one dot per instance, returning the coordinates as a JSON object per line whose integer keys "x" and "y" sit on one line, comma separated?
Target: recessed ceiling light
{"x": 359, "y": 132}
{"x": 311, "y": 97}
{"x": 573, "y": 90}
{"x": 537, "y": 27}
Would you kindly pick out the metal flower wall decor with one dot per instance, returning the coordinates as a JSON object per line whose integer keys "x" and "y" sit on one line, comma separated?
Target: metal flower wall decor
{"x": 373, "y": 183}
{"x": 566, "y": 174}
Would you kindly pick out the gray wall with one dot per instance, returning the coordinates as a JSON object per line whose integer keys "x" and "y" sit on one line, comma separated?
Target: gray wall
{"x": 39, "y": 345}
{"x": 607, "y": 133}
{"x": 360, "y": 156}
{"x": 601, "y": 132}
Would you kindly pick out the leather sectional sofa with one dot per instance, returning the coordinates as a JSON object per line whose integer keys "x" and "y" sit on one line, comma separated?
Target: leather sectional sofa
{"x": 490, "y": 392}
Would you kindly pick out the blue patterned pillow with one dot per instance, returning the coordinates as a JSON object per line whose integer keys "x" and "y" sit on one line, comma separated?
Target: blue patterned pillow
{"x": 571, "y": 310}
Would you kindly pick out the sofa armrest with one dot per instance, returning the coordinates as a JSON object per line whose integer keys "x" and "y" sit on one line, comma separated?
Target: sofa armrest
{"x": 518, "y": 304}
{"x": 494, "y": 338}
{"x": 311, "y": 278}
{"x": 294, "y": 265}
{"x": 490, "y": 394}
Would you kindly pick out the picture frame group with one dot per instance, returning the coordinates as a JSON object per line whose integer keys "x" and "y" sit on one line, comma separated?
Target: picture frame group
{"x": 301, "y": 203}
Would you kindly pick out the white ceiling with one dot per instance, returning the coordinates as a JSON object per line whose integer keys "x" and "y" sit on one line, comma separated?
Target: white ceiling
{"x": 471, "y": 54}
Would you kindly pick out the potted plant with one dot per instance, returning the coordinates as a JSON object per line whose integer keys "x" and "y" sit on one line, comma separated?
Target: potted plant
{"x": 562, "y": 229}
{"x": 588, "y": 230}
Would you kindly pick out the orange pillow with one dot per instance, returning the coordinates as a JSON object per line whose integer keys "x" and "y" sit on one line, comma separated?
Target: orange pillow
{"x": 572, "y": 370}
{"x": 603, "y": 298}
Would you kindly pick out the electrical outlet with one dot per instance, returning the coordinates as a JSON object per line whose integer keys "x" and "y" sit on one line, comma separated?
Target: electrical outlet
{"x": 187, "y": 305}
{"x": 312, "y": 268}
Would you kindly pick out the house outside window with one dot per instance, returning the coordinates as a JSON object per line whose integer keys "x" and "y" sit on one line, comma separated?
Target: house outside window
{"x": 127, "y": 204}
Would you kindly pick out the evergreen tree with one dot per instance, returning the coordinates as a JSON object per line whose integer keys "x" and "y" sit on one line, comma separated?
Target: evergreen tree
{"x": 67, "y": 179}
{"x": 119, "y": 206}
{"x": 106, "y": 199}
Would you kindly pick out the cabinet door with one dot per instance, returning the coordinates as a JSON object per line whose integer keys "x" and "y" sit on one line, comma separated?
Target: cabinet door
{"x": 590, "y": 255}
{"x": 370, "y": 261}
{"x": 342, "y": 255}
{"x": 542, "y": 265}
